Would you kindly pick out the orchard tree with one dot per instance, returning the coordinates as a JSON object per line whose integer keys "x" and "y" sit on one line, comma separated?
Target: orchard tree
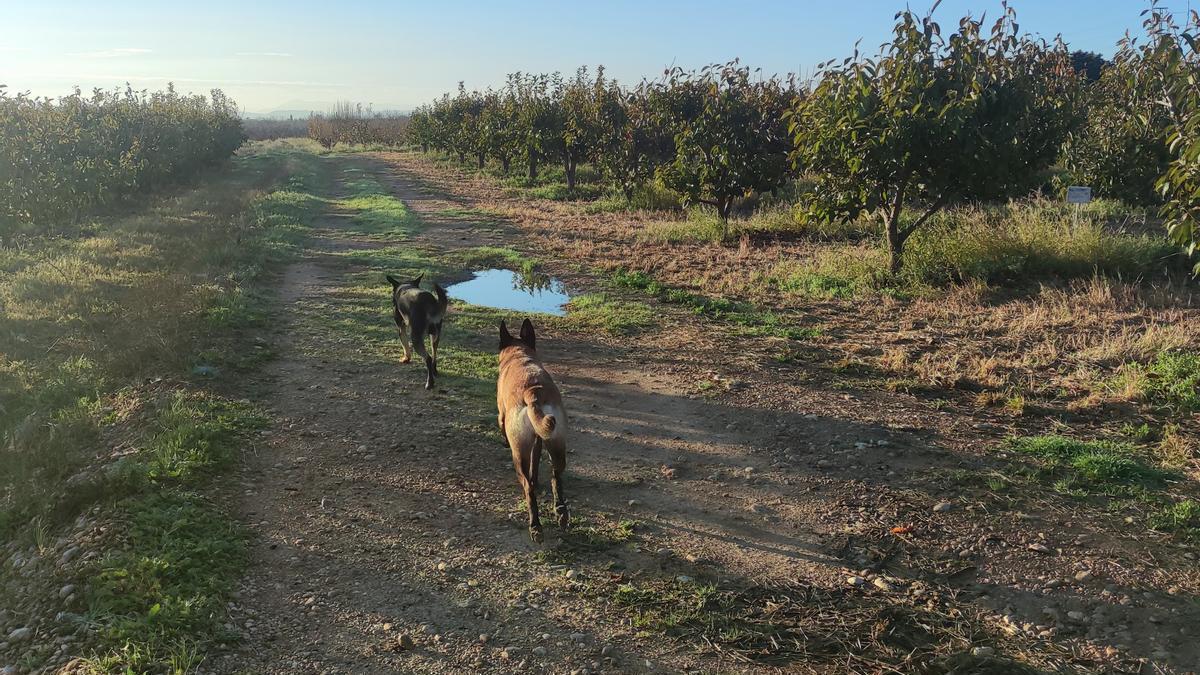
{"x": 1121, "y": 147}
{"x": 729, "y": 132}
{"x": 580, "y": 124}
{"x": 419, "y": 130}
{"x": 933, "y": 121}
{"x": 500, "y": 128}
{"x": 631, "y": 143}
{"x": 539, "y": 117}
{"x": 1171, "y": 58}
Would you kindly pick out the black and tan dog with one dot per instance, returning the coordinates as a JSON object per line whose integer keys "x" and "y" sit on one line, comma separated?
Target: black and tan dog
{"x": 532, "y": 417}
{"x": 419, "y": 312}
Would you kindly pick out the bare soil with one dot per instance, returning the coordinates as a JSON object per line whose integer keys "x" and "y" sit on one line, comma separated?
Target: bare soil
{"x": 389, "y": 535}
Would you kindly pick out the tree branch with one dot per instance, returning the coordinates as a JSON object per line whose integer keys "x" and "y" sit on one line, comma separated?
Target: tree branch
{"x": 934, "y": 208}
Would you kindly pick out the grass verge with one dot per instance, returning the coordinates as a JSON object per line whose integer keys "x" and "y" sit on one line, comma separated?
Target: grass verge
{"x": 116, "y": 377}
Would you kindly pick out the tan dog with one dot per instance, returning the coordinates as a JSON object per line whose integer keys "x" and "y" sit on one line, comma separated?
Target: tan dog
{"x": 532, "y": 417}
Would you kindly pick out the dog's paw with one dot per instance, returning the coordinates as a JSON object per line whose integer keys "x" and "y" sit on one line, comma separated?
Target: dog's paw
{"x": 535, "y": 533}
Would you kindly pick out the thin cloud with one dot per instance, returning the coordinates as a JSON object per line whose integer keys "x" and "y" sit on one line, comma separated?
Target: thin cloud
{"x": 270, "y": 54}
{"x": 110, "y": 53}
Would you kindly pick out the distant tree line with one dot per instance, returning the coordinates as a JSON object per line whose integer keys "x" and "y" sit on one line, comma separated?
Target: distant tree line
{"x": 260, "y": 129}
{"x": 355, "y": 124}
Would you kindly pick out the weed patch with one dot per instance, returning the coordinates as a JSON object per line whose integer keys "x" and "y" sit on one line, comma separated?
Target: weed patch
{"x": 1102, "y": 466}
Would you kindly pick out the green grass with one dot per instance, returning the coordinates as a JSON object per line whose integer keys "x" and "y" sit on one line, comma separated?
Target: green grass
{"x": 1102, "y": 466}
{"x": 1182, "y": 518}
{"x": 600, "y": 311}
{"x": 589, "y": 539}
{"x": 749, "y": 319}
{"x": 1172, "y": 380}
{"x": 164, "y": 587}
{"x": 652, "y": 196}
{"x": 498, "y": 256}
{"x": 676, "y": 607}
{"x": 1031, "y": 240}
{"x": 106, "y": 331}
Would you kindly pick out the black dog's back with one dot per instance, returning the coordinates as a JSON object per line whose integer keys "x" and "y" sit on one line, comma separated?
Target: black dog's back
{"x": 421, "y": 312}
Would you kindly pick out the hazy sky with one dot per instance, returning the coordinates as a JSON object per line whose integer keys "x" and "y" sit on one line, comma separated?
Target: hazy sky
{"x": 269, "y": 55}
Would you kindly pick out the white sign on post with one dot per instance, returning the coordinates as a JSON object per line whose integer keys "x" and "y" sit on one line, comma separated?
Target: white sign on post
{"x": 1078, "y": 194}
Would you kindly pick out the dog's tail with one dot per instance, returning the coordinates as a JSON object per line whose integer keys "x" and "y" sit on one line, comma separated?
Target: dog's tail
{"x": 392, "y": 279}
{"x": 543, "y": 424}
{"x": 442, "y": 298}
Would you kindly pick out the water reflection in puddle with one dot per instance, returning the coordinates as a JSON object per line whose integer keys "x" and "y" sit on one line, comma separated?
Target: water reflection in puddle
{"x": 505, "y": 289}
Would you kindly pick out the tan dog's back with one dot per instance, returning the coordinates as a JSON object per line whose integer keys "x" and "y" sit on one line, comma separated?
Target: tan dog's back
{"x": 532, "y": 418}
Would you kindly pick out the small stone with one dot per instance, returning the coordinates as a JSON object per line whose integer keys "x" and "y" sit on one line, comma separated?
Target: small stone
{"x": 1077, "y": 617}
{"x": 571, "y": 574}
{"x": 405, "y": 641}
{"x": 69, "y": 555}
{"x": 942, "y": 507}
{"x": 578, "y": 637}
{"x": 539, "y": 651}
{"x": 983, "y": 652}
{"x": 20, "y": 634}
{"x": 1085, "y": 575}
{"x": 883, "y": 584}
{"x": 633, "y": 503}
{"x": 66, "y": 590}
{"x": 441, "y": 567}
{"x": 683, "y": 579}
{"x": 1039, "y": 548}
{"x": 607, "y": 650}
{"x": 484, "y": 637}
{"x": 856, "y": 581}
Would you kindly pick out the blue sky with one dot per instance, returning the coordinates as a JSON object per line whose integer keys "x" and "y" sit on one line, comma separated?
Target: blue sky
{"x": 268, "y": 54}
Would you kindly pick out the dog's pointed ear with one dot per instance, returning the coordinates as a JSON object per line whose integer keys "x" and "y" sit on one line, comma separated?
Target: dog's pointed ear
{"x": 527, "y": 334}
{"x": 506, "y": 338}
{"x": 392, "y": 279}
{"x": 417, "y": 281}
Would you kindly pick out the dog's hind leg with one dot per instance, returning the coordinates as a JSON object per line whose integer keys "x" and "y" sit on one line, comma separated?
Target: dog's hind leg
{"x": 435, "y": 336}
{"x": 558, "y": 465}
{"x": 535, "y": 461}
{"x": 418, "y": 343}
{"x": 402, "y": 330}
{"x": 526, "y": 461}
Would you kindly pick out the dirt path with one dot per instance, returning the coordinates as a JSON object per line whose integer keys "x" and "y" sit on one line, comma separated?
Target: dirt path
{"x": 383, "y": 514}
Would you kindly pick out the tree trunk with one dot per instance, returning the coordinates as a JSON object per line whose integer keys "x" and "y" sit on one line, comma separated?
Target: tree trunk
{"x": 424, "y": 148}
{"x": 505, "y": 162}
{"x": 482, "y": 158}
{"x": 569, "y": 169}
{"x": 533, "y": 166}
{"x": 895, "y": 240}
{"x": 461, "y": 158}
